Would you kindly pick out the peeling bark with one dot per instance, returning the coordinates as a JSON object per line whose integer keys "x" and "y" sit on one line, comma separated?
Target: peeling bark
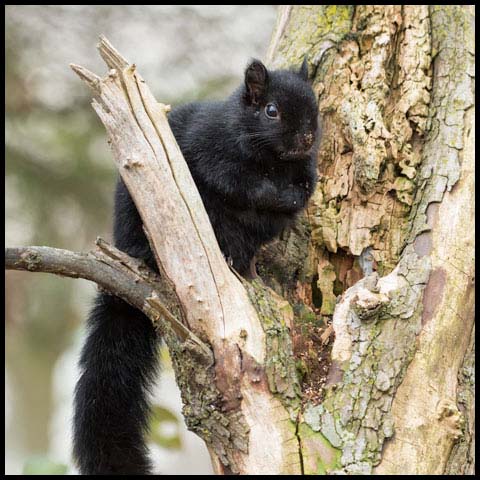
{"x": 395, "y": 161}
{"x": 430, "y": 416}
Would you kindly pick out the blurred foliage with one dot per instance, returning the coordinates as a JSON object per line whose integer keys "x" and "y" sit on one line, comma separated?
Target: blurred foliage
{"x": 59, "y": 184}
{"x": 163, "y": 419}
{"x": 40, "y": 465}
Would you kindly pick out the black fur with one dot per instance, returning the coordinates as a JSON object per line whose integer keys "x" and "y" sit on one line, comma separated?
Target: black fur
{"x": 254, "y": 174}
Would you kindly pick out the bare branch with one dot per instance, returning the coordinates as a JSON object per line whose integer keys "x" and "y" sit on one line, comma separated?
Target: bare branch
{"x": 113, "y": 270}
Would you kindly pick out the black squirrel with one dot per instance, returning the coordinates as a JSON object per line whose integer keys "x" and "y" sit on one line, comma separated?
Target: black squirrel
{"x": 253, "y": 159}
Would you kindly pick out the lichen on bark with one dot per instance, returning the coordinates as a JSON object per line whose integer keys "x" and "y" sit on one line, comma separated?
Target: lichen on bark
{"x": 309, "y": 30}
{"x": 388, "y": 156}
{"x": 276, "y": 317}
{"x": 462, "y": 458}
{"x": 429, "y": 419}
{"x": 224, "y": 431}
{"x": 358, "y": 216}
{"x": 376, "y": 323}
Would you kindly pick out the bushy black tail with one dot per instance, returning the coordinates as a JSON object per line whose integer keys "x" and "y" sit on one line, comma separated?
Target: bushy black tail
{"x": 118, "y": 362}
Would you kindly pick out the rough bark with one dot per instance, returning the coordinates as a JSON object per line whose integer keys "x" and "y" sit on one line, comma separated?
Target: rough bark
{"x": 395, "y": 198}
{"x": 383, "y": 257}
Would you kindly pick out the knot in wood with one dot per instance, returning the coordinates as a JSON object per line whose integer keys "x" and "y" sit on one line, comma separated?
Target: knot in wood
{"x": 451, "y": 417}
{"x": 367, "y": 304}
{"x": 31, "y": 259}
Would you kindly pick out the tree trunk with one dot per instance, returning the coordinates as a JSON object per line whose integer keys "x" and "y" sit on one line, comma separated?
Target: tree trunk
{"x": 396, "y": 192}
{"x": 354, "y": 353}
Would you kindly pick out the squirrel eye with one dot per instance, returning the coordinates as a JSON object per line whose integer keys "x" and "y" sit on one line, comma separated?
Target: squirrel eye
{"x": 271, "y": 111}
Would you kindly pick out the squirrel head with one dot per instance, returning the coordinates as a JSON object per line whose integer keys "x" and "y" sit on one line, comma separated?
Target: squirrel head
{"x": 279, "y": 110}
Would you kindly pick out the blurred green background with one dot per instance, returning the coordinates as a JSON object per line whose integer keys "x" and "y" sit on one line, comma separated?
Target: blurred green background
{"x": 59, "y": 186}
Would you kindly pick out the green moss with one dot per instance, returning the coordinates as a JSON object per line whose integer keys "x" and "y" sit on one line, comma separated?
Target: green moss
{"x": 281, "y": 370}
{"x": 309, "y": 26}
{"x": 304, "y": 315}
{"x": 325, "y": 458}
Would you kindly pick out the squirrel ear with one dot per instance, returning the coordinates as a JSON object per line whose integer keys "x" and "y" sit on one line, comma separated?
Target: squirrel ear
{"x": 256, "y": 80}
{"x": 303, "y": 72}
